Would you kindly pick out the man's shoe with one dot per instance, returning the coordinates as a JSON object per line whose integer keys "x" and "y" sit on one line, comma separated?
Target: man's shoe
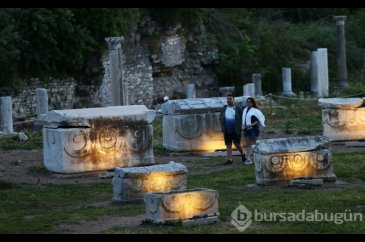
{"x": 229, "y": 162}
{"x": 243, "y": 157}
{"x": 248, "y": 162}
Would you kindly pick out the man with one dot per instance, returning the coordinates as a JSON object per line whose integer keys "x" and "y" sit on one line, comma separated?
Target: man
{"x": 231, "y": 124}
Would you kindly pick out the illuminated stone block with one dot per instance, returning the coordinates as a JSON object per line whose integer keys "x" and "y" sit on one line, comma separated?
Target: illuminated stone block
{"x": 343, "y": 118}
{"x": 193, "y": 124}
{"x": 81, "y": 140}
{"x": 130, "y": 184}
{"x": 181, "y": 205}
{"x": 286, "y": 159}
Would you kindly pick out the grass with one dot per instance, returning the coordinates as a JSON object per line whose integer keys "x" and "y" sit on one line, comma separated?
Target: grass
{"x": 34, "y": 142}
{"x": 28, "y": 208}
{"x": 41, "y": 208}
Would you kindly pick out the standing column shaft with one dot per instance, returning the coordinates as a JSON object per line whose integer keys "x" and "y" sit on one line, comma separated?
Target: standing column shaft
{"x": 117, "y": 85}
{"x": 6, "y": 115}
{"x": 341, "y": 51}
{"x": 42, "y": 102}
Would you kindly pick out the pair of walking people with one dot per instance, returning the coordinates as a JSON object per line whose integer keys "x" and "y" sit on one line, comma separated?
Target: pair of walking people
{"x": 234, "y": 120}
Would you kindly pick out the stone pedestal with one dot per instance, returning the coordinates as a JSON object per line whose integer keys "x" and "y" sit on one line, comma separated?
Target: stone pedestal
{"x": 6, "y": 115}
{"x": 343, "y": 118}
{"x": 130, "y": 184}
{"x": 90, "y": 139}
{"x": 42, "y": 102}
{"x": 285, "y": 159}
{"x": 193, "y": 124}
{"x": 181, "y": 205}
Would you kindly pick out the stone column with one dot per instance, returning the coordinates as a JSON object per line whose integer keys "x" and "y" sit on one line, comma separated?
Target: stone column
{"x": 314, "y": 73}
{"x": 118, "y": 93}
{"x": 256, "y": 80}
{"x": 363, "y": 68}
{"x": 249, "y": 90}
{"x": 225, "y": 90}
{"x": 341, "y": 51}
{"x": 322, "y": 72}
{"x": 287, "y": 88}
{"x": 190, "y": 91}
{"x": 6, "y": 115}
{"x": 42, "y": 102}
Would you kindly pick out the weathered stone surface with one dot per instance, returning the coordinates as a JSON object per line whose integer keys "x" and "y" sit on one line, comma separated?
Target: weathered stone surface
{"x": 6, "y": 115}
{"x": 42, "y": 102}
{"x": 256, "y": 80}
{"x": 289, "y": 158}
{"x": 172, "y": 48}
{"x": 22, "y": 136}
{"x": 319, "y": 75}
{"x": 198, "y": 105}
{"x": 341, "y": 103}
{"x": 200, "y": 221}
{"x": 87, "y": 116}
{"x": 181, "y": 205}
{"x": 287, "y": 82}
{"x": 299, "y": 182}
{"x": 130, "y": 184}
{"x": 193, "y": 124}
{"x": 190, "y": 91}
{"x": 104, "y": 146}
{"x": 225, "y": 90}
{"x": 291, "y": 144}
{"x": 249, "y": 90}
{"x": 343, "y": 118}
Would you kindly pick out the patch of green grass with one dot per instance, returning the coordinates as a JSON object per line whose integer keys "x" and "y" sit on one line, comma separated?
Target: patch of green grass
{"x": 159, "y": 149}
{"x": 14, "y": 144}
{"x": 157, "y": 128}
{"x": 40, "y": 209}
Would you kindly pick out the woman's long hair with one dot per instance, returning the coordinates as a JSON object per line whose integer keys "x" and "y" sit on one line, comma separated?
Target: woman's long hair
{"x": 253, "y": 101}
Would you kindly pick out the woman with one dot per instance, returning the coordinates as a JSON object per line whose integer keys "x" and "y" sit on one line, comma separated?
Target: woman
{"x": 252, "y": 119}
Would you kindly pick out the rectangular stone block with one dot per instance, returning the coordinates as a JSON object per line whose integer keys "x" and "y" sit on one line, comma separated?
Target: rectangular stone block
{"x": 72, "y": 150}
{"x": 181, "y": 205}
{"x": 286, "y": 159}
{"x": 130, "y": 184}
{"x": 343, "y": 118}
{"x": 194, "y": 124}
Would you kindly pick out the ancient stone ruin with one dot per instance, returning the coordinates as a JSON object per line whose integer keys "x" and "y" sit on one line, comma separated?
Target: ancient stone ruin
{"x": 343, "y": 118}
{"x": 130, "y": 184}
{"x": 285, "y": 159}
{"x": 185, "y": 206}
{"x": 193, "y": 124}
{"x": 90, "y": 139}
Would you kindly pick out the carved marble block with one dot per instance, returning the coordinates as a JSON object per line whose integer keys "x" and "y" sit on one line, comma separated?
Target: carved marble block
{"x": 81, "y": 140}
{"x": 130, "y": 184}
{"x": 193, "y": 124}
{"x": 181, "y": 205}
{"x": 285, "y": 159}
{"x": 343, "y": 118}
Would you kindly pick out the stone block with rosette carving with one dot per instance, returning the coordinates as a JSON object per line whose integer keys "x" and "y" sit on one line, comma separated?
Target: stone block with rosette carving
{"x": 181, "y": 205}
{"x": 285, "y": 159}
